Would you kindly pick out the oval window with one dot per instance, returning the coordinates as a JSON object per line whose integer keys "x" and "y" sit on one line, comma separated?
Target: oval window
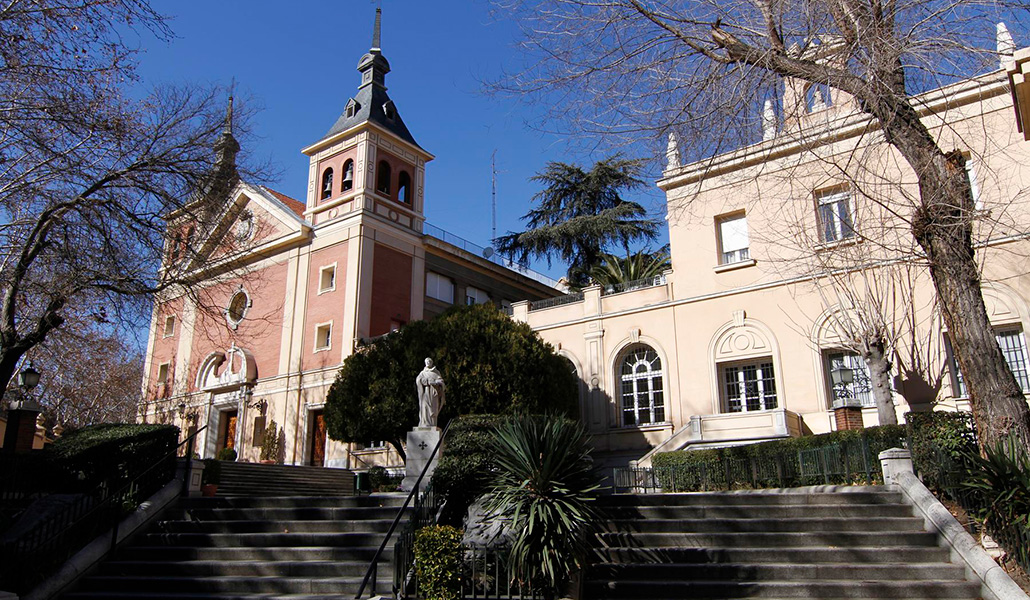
{"x": 237, "y": 309}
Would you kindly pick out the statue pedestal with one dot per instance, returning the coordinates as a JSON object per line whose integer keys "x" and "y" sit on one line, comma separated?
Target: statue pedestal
{"x": 421, "y": 441}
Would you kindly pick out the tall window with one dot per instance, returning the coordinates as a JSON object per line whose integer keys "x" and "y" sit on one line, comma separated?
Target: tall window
{"x": 327, "y": 184}
{"x": 383, "y": 178}
{"x": 750, "y": 386}
{"x": 733, "y": 239}
{"x": 475, "y": 296}
{"x": 1013, "y": 348}
{"x": 348, "y": 175}
{"x": 859, "y": 391}
{"x": 404, "y": 187}
{"x": 439, "y": 287}
{"x": 834, "y": 215}
{"x": 643, "y": 398}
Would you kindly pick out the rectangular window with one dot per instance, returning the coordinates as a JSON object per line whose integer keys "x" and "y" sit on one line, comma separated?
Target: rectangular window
{"x": 169, "y": 326}
{"x": 859, "y": 390}
{"x": 164, "y": 376}
{"x": 733, "y": 239}
{"x": 749, "y": 387}
{"x": 834, "y": 216}
{"x": 327, "y": 279}
{"x": 1013, "y": 348}
{"x": 974, "y": 183}
{"x": 439, "y": 287}
{"x": 475, "y": 296}
{"x": 323, "y": 336}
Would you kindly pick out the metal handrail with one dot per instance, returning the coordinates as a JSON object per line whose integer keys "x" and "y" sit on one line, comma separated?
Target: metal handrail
{"x": 373, "y": 567}
{"x": 93, "y": 507}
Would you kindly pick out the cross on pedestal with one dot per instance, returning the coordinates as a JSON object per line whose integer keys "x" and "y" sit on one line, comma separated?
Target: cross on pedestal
{"x": 422, "y": 446}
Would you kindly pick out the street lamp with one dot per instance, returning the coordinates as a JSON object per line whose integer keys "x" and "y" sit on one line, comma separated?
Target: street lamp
{"x": 842, "y": 377}
{"x": 28, "y": 378}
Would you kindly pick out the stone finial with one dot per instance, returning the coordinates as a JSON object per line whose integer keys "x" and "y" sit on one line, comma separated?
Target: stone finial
{"x": 818, "y": 100}
{"x": 1006, "y": 45}
{"x": 672, "y": 153}
{"x": 768, "y": 121}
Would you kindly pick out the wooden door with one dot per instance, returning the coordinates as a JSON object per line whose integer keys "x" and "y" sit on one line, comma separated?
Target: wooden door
{"x": 318, "y": 438}
{"x": 228, "y": 433}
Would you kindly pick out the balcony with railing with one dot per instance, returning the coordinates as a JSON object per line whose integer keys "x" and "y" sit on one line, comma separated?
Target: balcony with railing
{"x": 487, "y": 254}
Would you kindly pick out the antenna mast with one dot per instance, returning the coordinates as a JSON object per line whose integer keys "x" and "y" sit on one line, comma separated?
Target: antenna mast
{"x": 493, "y": 196}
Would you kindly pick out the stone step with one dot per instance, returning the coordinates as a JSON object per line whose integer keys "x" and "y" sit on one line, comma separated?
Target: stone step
{"x": 272, "y": 584}
{"x": 851, "y": 511}
{"x": 768, "y": 540}
{"x": 776, "y": 572}
{"x": 160, "y": 595}
{"x": 385, "y": 513}
{"x": 797, "y": 555}
{"x": 255, "y": 526}
{"x": 781, "y": 589}
{"x": 238, "y": 553}
{"x": 800, "y": 525}
{"x": 261, "y": 540}
{"x": 374, "y": 500}
{"x": 220, "y": 568}
{"x": 861, "y": 495}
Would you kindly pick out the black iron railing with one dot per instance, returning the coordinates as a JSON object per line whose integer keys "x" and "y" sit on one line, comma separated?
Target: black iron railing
{"x": 417, "y": 515}
{"x": 556, "y": 301}
{"x": 29, "y": 557}
{"x": 636, "y": 284}
{"x": 842, "y": 463}
{"x": 485, "y": 575}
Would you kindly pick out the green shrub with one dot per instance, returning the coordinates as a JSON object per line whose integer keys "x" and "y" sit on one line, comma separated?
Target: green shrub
{"x": 212, "y": 472}
{"x": 113, "y": 451}
{"x": 939, "y": 442}
{"x": 226, "y": 454}
{"x": 544, "y": 485}
{"x": 438, "y": 562}
{"x": 839, "y": 456}
{"x": 270, "y": 445}
{"x": 998, "y": 491}
{"x": 463, "y": 473}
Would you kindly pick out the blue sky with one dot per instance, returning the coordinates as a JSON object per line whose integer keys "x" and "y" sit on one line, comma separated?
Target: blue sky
{"x": 298, "y": 67}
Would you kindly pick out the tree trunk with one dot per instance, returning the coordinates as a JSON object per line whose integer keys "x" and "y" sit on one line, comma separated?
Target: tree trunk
{"x": 880, "y": 380}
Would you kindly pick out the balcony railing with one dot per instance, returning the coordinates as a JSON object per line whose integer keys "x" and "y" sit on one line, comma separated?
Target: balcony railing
{"x": 467, "y": 246}
{"x": 556, "y": 301}
{"x": 636, "y": 284}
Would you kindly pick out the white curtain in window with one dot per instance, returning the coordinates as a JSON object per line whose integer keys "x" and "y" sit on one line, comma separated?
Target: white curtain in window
{"x": 733, "y": 233}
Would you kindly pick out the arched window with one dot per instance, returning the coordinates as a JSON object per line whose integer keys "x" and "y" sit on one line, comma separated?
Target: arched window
{"x": 327, "y": 183}
{"x": 641, "y": 389}
{"x": 404, "y": 187}
{"x": 348, "y": 175}
{"x": 383, "y": 178}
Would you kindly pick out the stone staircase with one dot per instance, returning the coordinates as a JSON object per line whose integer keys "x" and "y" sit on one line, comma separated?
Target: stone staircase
{"x": 253, "y": 479}
{"x": 854, "y": 542}
{"x": 302, "y": 547}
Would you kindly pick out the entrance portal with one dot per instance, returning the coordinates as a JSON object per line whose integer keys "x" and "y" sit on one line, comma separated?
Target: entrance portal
{"x": 318, "y": 438}
{"x": 227, "y": 429}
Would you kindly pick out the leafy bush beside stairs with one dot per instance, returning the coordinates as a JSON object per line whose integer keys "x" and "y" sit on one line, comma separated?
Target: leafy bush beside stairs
{"x": 438, "y": 559}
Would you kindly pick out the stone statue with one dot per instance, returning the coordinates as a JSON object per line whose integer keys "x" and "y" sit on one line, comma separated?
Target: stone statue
{"x": 430, "y": 388}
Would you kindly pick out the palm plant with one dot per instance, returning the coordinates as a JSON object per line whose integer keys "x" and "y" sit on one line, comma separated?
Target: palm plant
{"x": 632, "y": 267}
{"x": 579, "y": 214}
{"x": 544, "y": 484}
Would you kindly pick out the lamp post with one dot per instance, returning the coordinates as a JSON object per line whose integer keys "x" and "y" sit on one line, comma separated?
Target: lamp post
{"x": 846, "y": 413}
{"x": 22, "y": 413}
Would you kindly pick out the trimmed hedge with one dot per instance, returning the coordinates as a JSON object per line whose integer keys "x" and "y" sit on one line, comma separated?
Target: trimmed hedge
{"x": 113, "y": 451}
{"x": 840, "y": 457}
{"x": 940, "y": 440}
{"x": 438, "y": 560}
{"x": 463, "y": 473}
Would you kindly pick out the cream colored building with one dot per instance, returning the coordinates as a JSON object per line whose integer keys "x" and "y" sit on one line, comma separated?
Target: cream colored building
{"x": 737, "y": 342}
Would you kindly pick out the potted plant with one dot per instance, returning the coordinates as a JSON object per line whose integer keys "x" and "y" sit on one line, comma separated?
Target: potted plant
{"x": 211, "y": 477}
{"x": 270, "y": 444}
{"x": 227, "y": 454}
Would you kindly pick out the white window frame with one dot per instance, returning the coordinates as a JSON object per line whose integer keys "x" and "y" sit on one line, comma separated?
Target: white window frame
{"x": 861, "y": 387}
{"x": 643, "y": 399}
{"x": 169, "y": 327}
{"x": 434, "y": 281}
{"x": 323, "y": 330}
{"x": 331, "y": 269}
{"x": 474, "y": 295}
{"x": 164, "y": 383}
{"x": 974, "y": 182}
{"x": 735, "y": 255}
{"x": 838, "y": 231}
{"x": 247, "y": 302}
{"x": 738, "y": 403}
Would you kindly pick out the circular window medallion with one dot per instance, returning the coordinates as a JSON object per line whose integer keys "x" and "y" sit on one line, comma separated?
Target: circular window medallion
{"x": 237, "y": 309}
{"x": 245, "y": 226}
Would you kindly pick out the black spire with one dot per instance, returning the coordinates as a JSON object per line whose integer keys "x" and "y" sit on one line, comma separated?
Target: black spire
{"x": 373, "y": 65}
{"x": 376, "y": 30}
{"x": 224, "y": 175}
